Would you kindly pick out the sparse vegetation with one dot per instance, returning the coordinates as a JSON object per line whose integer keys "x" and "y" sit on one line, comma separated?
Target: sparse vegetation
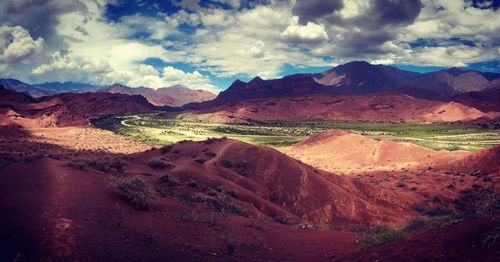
{"x": 239, "y": 167}
{"x": 479, "y": 202}
{"x": 491, "y": 237}
{"x": 101, "y": 165}
{"x": 136, "y": 190}
{"x": 154, "y": 129}
{"x": 381, "y": 236}
{"x": 158, "y": 164}
{"x": 425, "y": 223}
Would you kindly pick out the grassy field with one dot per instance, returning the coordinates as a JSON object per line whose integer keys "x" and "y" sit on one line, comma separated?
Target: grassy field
{"x": 156, "y": 130}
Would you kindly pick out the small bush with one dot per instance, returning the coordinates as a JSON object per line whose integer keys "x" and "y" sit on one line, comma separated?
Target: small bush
{"x": 400, "y": 185}
{"x": 219, "y": 205}
{"x": 381, "y": 236}
{"x": 165, "y": 179}
{"x": 426, "y": 223}
{"x": 274, "y": 196}
{"x": 166, "y": 149}
{"x": 491, "y": 237}
{"x": 76, "y": 164}
{"x": 158, "y": 164}
{"x": 105, "y": 165}
{"x": 238, "y": 167}
{"x": 485, "y": 202}
{"x": 200, "y": 161}
{"x": 136, "y": 190}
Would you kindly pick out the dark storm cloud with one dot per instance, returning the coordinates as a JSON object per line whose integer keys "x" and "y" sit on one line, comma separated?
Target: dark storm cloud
{"x": 367, "y": 31}
{"x": 312, "y": 10}
{"x": 393, "y": 12}
{"x": 39, "y": 17}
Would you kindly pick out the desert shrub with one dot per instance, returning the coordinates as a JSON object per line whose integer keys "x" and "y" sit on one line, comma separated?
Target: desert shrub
{"x": 274, "y": 196}
{"x": 485, "y": 202}
{"x": 381, "y": 236}
{"x": 165, "y": 179}
{"x": 400, "y": 185}
{"x": 212, "y": 140}
{"x": 106, "y": 165}
{"x": 227, "y": 164}
{"x": 167, "y": 148}
{"x": 158, "y": 164}
{"x": 360, "y": 228}
{"x": 426, "y": 223}
{"x": 117, "y": 165}
{"x": 219, "y": 205}
{"x": 436, "y": 212}
{"x": 32, "y": 158}
{"x": 284, "y": 220}
{"x": 210, "y": 219}
{"x": 238, "y": 167}
{"x": 200, "y": 161}
{"x": 227, "y": 191}
{"x": 136, "y": 190}
{"x": 491, "y": 237}
{"x": 76, "y": 164}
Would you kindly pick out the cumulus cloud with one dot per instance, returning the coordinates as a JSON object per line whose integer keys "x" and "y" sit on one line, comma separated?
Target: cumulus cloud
{"x": 309, "y": 33}
{"x": 62, "y": 62}
{"x": 248, "y": 42}
{"x": 312, "y": 10}
{"x": 227, "y": 38}
{"x": 17, "y": 45}
{"x": 170, "y": 76}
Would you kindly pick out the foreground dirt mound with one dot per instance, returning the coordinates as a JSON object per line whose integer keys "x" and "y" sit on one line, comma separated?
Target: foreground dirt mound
{"x": 338, "y": 150}
{"x": 387, "y": 107}
{"x": 279, "y": 186}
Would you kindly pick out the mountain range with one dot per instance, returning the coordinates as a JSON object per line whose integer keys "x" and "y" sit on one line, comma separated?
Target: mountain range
{"x": 174, "y": 96}
{"x": 360, "y": 77}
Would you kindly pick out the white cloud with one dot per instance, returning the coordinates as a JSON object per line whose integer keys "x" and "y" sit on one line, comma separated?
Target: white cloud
{"x": 147, "y": 70}
{"x": 252, "y": 39}
{"x": 170, "y": 76}
{"x": 310, "y": 33}
{"x": 248, "y": 42}
{"x": 17, "y": 45}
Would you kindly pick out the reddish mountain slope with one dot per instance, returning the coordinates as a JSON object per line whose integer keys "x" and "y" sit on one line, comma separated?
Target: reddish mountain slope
{"x": 486, "y": 100}
{"x": 98, "y": 104}
{"x": 376, "y": 107}
{"x": 167, "y": 96}
{"x": 20, "y": 109}
{"x": 68, "y": 109}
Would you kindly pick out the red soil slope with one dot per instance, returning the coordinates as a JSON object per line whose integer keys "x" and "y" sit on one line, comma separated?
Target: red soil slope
{"x": 460, "y": 242}
{"x": 338, "y": 150}
{"x": 278, "y": 186}
{"x": 219, "y": 199}
{"x": 385, "y": 107}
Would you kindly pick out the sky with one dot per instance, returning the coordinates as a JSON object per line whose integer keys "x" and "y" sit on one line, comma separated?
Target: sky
{"x": 209, "y": 44}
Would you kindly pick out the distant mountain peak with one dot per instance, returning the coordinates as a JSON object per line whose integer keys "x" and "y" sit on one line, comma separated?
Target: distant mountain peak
{"x": 456, "y": 71}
